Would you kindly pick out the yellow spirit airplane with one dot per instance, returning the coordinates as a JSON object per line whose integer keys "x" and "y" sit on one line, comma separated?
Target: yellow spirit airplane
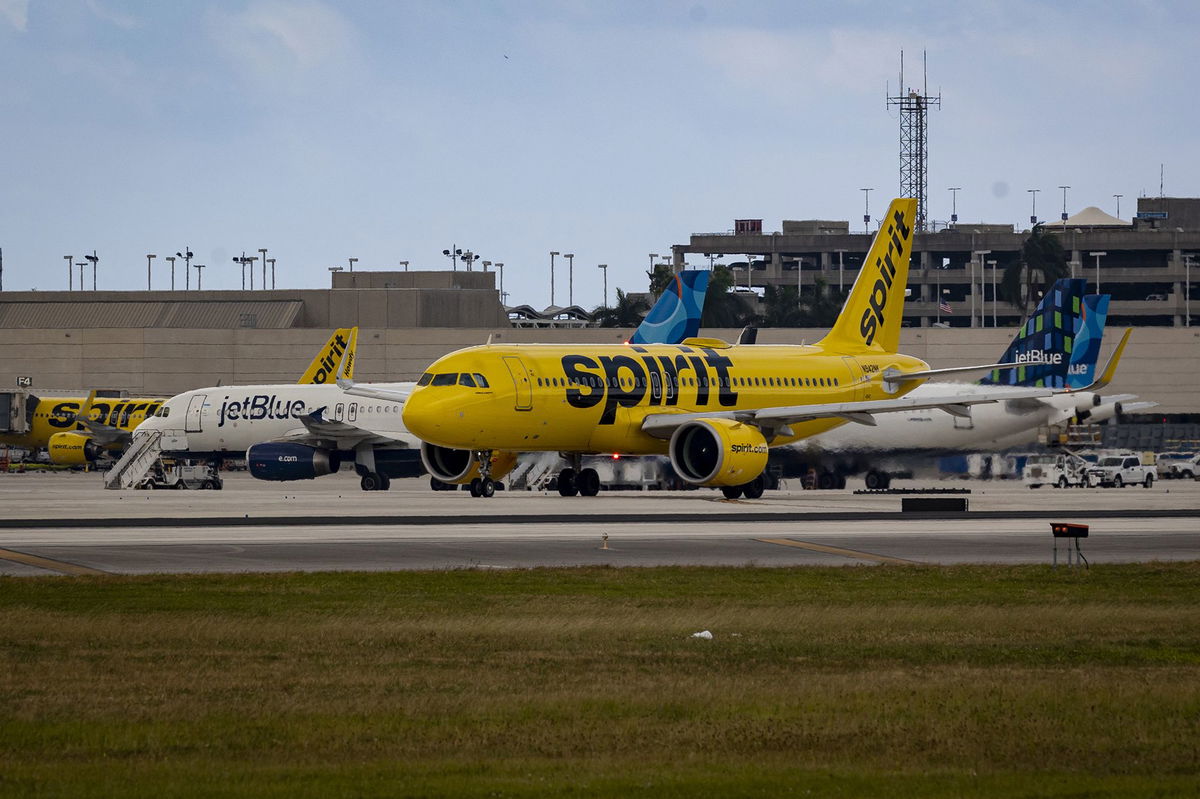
{"x": 712, "y": 407}
{"x": 79, "y": 430}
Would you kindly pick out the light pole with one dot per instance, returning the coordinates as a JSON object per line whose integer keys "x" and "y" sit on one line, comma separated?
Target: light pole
{"x": 94, "y": 259}
{"x": 405, "y": 265}
{"x": 653, "y": 255}
{"x": 352, "y": 262}
{"x": 242, "y": 261}
{"x": 1064, "y": 210}
{"x": 187, "y": 268}
{"x": 954, "y": 190}
{"x": 70, "y": 259}
{"x": 570, "y": 256}
{"x": 486, "y": 264}
{"x": 81, "y": 265}
{"x": 199, "y": 274}
{"x": 1097, "y": 257}
{"x": 333, "y": 270}
{"x": 453, "y": 254}
{"x": 604, "y": 268}
{"x": 171, "y": 258}
{"x": 500, "y": 268}
{"x": 867, "y": 208}
{"x": 149, "y": 257}
{"x": 1118, "y": 197}
{"x": 992, "y": 263}
{"x": 272, "y": 260}
{"x": 1033, "y": 214}
{"x": 840, "y": 272}
{"x": 552, "y": 254}
{"x": 469, "y": 258}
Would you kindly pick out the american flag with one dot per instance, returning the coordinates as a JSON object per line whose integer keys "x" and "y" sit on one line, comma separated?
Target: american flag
{"x": 944, "y": 307}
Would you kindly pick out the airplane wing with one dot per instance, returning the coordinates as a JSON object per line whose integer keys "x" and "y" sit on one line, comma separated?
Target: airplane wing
{"x": 104, "y": 434}
{"x": 322, "y": 432}
{"x": 374, "y": 392}
{"x": 777, "y": 419}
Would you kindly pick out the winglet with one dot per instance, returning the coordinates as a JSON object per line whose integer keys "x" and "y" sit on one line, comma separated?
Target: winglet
{"x": 82, "y": 414}
{"x": 1110, "y": 370}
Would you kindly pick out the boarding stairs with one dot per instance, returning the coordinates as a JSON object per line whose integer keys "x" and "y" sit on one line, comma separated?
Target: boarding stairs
{"x": 535, "y": 471}
{"x": 135, "y": 464}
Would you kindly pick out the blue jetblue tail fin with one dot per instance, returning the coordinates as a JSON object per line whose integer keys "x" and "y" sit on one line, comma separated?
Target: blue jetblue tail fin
{"x": 1087, "y": 341}
{"x": 1045, "y": 343}
{"x": 676, "y": 315}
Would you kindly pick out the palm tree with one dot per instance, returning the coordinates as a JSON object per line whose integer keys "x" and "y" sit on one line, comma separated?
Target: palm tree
{"x": 722, "y": 308}
{"x": 1043, "y": 261}
{"x": 784, "y": 308}
{"x": 628, "y": 312}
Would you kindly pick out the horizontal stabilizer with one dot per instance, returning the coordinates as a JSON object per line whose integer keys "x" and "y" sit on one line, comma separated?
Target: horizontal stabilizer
{"x": 1110, "y": 370}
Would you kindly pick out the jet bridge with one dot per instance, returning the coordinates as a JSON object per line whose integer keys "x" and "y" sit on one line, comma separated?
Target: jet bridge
{"x": 16, "y": 412}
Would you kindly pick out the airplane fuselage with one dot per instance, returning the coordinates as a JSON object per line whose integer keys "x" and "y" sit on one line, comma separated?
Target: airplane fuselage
{"x": 595, "y": 398}
{"x": 226, "y": 421}
{"x": 53, "y": 415}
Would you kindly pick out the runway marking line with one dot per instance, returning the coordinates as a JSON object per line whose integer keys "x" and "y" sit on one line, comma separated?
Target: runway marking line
{"x": 49, "y": 564}
{"x": 849, "y": 553}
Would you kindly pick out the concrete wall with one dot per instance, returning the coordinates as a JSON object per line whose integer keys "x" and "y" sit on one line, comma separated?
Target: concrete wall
{"x": 1160, "y": 363}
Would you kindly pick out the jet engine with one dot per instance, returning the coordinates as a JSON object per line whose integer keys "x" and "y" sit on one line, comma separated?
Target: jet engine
{"x": 74, "y": 449}
{"x": 460, "y": 466}
{"x": 283, "y": 461}
{"x": 718, "y": 452}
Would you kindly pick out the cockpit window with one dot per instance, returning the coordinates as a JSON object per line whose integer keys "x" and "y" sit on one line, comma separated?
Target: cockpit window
{"x": 163, "y": 412}
{"x": 466, "y": 380}
{"x": 480, "y": 380}
{"x": 425, "y": 378}
{"x": 448, "y": 379}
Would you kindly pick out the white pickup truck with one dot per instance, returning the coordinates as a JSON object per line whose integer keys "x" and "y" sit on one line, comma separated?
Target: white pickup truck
{"x": 1122, "y": 470}
{"x": 1060, "y": 469}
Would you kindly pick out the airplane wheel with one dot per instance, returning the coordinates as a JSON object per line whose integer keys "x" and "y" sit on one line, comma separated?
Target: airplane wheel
{"x": 754, "y": 489}
{"x": 841, "y": 481}
{"x": 566, "y": 483}
{"x": 826, "y": 481}
{"x": 873, "y": 480}
{"x": 1062, "y": 481}
{"x": 473, "y": 487}
{"x": 588, "y": 482}
{"x": 487, "y": 488}
{"x": 385, "y": 482}
{"x": 369, "y": 482}
{"x": 731, "y": 492}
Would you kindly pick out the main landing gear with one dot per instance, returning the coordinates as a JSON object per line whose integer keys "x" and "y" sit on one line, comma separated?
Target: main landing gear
{"x": 752, "y": 490}
{"x": 576, "y": 480}
{"x": 375, "y": 481}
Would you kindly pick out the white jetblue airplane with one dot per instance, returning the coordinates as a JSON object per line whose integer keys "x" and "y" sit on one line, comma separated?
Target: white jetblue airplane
{"x": 300, "y": 432}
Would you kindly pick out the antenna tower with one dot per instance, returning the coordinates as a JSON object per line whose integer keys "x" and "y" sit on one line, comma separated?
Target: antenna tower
{"x": 914, "y": 140}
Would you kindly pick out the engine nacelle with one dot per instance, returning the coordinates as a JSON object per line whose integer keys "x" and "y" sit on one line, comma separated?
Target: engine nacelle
{"x": 718, "y": 452}
{"x": 460, "y": 466}
{"x": 283, "y": 461}
{"x": 73, "y": 449}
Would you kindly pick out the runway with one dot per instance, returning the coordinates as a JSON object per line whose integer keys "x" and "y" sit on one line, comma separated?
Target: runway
{"x": 67, "y": 524}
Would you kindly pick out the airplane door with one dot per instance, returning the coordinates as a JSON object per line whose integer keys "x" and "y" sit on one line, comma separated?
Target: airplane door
{"x": 520, "y": 376}
{"x": 861, "y": 389}
{"x": 192, "y": 419}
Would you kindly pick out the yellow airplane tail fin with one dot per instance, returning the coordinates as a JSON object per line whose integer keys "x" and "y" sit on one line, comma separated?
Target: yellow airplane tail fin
{"x": 324, "y": 367}
{"x": 870, "y": 319}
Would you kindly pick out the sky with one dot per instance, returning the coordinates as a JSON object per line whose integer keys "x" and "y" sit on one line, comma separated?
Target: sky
{"x": 390, "y": 131}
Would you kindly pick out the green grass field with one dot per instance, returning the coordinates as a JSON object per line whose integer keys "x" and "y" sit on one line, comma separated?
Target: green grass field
{"x": 857, "y": 681}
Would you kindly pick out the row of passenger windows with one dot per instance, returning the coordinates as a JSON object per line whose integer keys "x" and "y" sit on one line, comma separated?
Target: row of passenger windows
{"x": 473, "y": 380}
{"x": 737, "y": 382}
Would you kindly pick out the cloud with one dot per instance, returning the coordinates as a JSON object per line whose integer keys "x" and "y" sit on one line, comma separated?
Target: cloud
{"x": 279, "y": 43}
{"x": 16, "y": 12}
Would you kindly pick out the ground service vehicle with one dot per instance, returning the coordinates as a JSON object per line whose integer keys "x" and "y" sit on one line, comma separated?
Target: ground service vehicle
{"x": 1060, "y": 469}
{"x": 1122, "y": 470}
